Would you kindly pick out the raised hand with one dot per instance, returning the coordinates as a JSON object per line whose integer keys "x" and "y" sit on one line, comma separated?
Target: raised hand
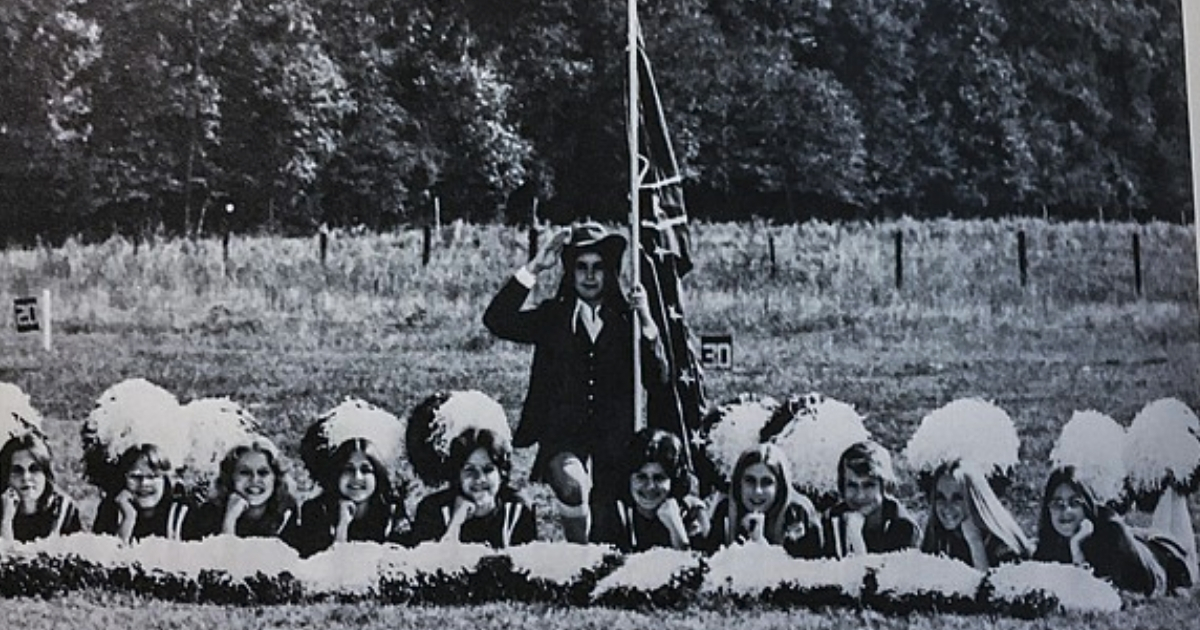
{"x": 754, "y": 523}
{"x": 463, "y": 509}
{"x": 125, "y": 504}
{"x": 547, "y": 256}
{"x": 9, "y": 500}
{"x": 235, "y": 506}
{"x": 346, "y": 510}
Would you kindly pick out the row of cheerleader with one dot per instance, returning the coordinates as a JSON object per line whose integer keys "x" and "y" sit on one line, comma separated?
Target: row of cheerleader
{"x": 803, "y": 474}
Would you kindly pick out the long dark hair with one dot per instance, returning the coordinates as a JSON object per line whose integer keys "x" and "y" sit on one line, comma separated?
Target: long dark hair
{"x": 1052, "y": 545}
{"x": 386, "y": 493}
{"x": 42, "y": 456}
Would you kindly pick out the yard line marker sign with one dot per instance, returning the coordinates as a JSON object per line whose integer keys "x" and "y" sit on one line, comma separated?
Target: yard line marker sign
{"x": 716, "y": 351}
{"x": 33, "y": 315}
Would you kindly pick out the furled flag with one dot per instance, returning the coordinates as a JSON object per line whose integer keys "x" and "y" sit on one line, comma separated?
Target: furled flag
{"x": 665, "y": 258}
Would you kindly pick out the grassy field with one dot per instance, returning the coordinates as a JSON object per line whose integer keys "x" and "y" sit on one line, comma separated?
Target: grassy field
{"x": 289, "y": 337}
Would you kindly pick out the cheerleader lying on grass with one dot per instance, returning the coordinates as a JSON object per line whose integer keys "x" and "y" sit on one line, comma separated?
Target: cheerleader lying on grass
{"x": 253, "y": 496}
{"x": 968, "y": 522}
{"x": 1073, "y": 528}
{"x": 656, "y": 509}
{"x": 867, "y": 519}
{"x": 357, "y": 502}
{"x": 31, "y": 507}
{"x": 479, "y": 506}
{"x": 140, "y": 500}
{"x": 765, "y": 508}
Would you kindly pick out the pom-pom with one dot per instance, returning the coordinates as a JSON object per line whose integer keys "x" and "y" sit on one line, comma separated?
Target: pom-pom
{"x": 912, "y": 580}
{"x": 734, "y": 427}
{"x": 1074, "y": 589}
{"x": 129, "y": 414}
{"x": 969, "y": 429}
{"x": 555, "y": 562}
{"x": 1162, "y": 448}
{"x": 441, "y": 418}
{"x": 17, "y": 415}
{"x": 815, "y": 438}
{"x": 747, "y": 571}
{"x": 661, "y": 576}
{"x": 215, "y": 425}
{"x": 1090, "y": 441}
{"x": 352, "y": 419}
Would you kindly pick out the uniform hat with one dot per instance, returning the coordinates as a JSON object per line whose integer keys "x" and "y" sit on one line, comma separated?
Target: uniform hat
{"x": 592, "y": 236}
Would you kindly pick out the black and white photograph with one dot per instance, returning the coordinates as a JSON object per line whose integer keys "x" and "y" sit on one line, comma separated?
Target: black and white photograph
{"x": 558, "y": 313}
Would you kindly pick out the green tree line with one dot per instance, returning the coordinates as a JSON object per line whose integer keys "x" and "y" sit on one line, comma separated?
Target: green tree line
{"x": 195, "y": 116}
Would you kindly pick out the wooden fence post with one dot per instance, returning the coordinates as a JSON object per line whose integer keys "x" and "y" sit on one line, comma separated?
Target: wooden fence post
{"x": 428, "y": 232}
{"x": 771, "y": 252}
{"x": 899, "y": 236}
{"x": 1022, "y": 258}
{"x": 1137, "y": 264}
{"x": 323, "y": 242}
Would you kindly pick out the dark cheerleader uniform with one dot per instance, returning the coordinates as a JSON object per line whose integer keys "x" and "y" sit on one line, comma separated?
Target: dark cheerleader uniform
{"x": 314, "y": 530}
{"x": 899, "y": 530}
{"x": 206, "y": 520}
{"x": 631, "y": 532}
{"x": 512, "y": 522}
{"x": 58, "y": 517}
{"x": 166, "y": 521}
{"x": 800, "y": 532}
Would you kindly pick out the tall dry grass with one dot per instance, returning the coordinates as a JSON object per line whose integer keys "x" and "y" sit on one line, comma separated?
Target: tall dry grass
{"x": 748, "y": 277}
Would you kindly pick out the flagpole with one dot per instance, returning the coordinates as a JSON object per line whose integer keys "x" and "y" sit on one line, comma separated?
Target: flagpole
{"x": 639, "y": 420}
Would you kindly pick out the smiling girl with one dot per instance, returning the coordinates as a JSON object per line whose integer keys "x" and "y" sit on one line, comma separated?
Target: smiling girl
{"x": 253, "y": 496}
{"x": 968, "y": 522}
{"x": 31, "y": 507}
{"x": 140, "y": 502}
{"x": 357, "y": 502}
{"x": 656, "y": 509}
{"x": 764, "y": 507}
{"x": 1074, "y": 528}
{"x": 479, "y": 506}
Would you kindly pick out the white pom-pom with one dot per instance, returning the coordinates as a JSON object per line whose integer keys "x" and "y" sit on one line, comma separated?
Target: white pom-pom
{"x": 356, "y": 418}
{"x": 1090, "y": 441}
{"x": 349, "y": 568}
{"x": 239, "y": 557}
{"x": 436, "y": 557}
{"x": 1161, "y": 445}
{"x": 648, "y": 571}
{"x": 1076, "y": 589}
{"x": 738, "y": 430}
{"x": 136, "y": 411}
{"x": 914, "y": 573}
{"x": 17, "y": 414}
{"x": 815, "y": 439}
{"x": 464, "y": 410}
{"x": 968, "y": 429}
{"x": 215, "y": 425}
{"x": 749, "y": 569}
{"x": 555, "y": 562}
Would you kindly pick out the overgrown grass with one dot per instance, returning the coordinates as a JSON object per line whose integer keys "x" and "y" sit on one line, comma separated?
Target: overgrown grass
{"x": 289, "y": 338}
{"x": 105, "y": 611}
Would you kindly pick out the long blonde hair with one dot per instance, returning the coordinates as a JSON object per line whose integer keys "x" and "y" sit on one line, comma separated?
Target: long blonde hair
{"x": 982, "y": 505}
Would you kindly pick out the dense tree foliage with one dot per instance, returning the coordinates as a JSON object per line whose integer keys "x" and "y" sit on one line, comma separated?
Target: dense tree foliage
{"x": 135, "y": 115}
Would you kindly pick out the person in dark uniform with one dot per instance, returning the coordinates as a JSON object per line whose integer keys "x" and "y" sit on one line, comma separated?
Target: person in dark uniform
{"x": 579, "y": 406}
